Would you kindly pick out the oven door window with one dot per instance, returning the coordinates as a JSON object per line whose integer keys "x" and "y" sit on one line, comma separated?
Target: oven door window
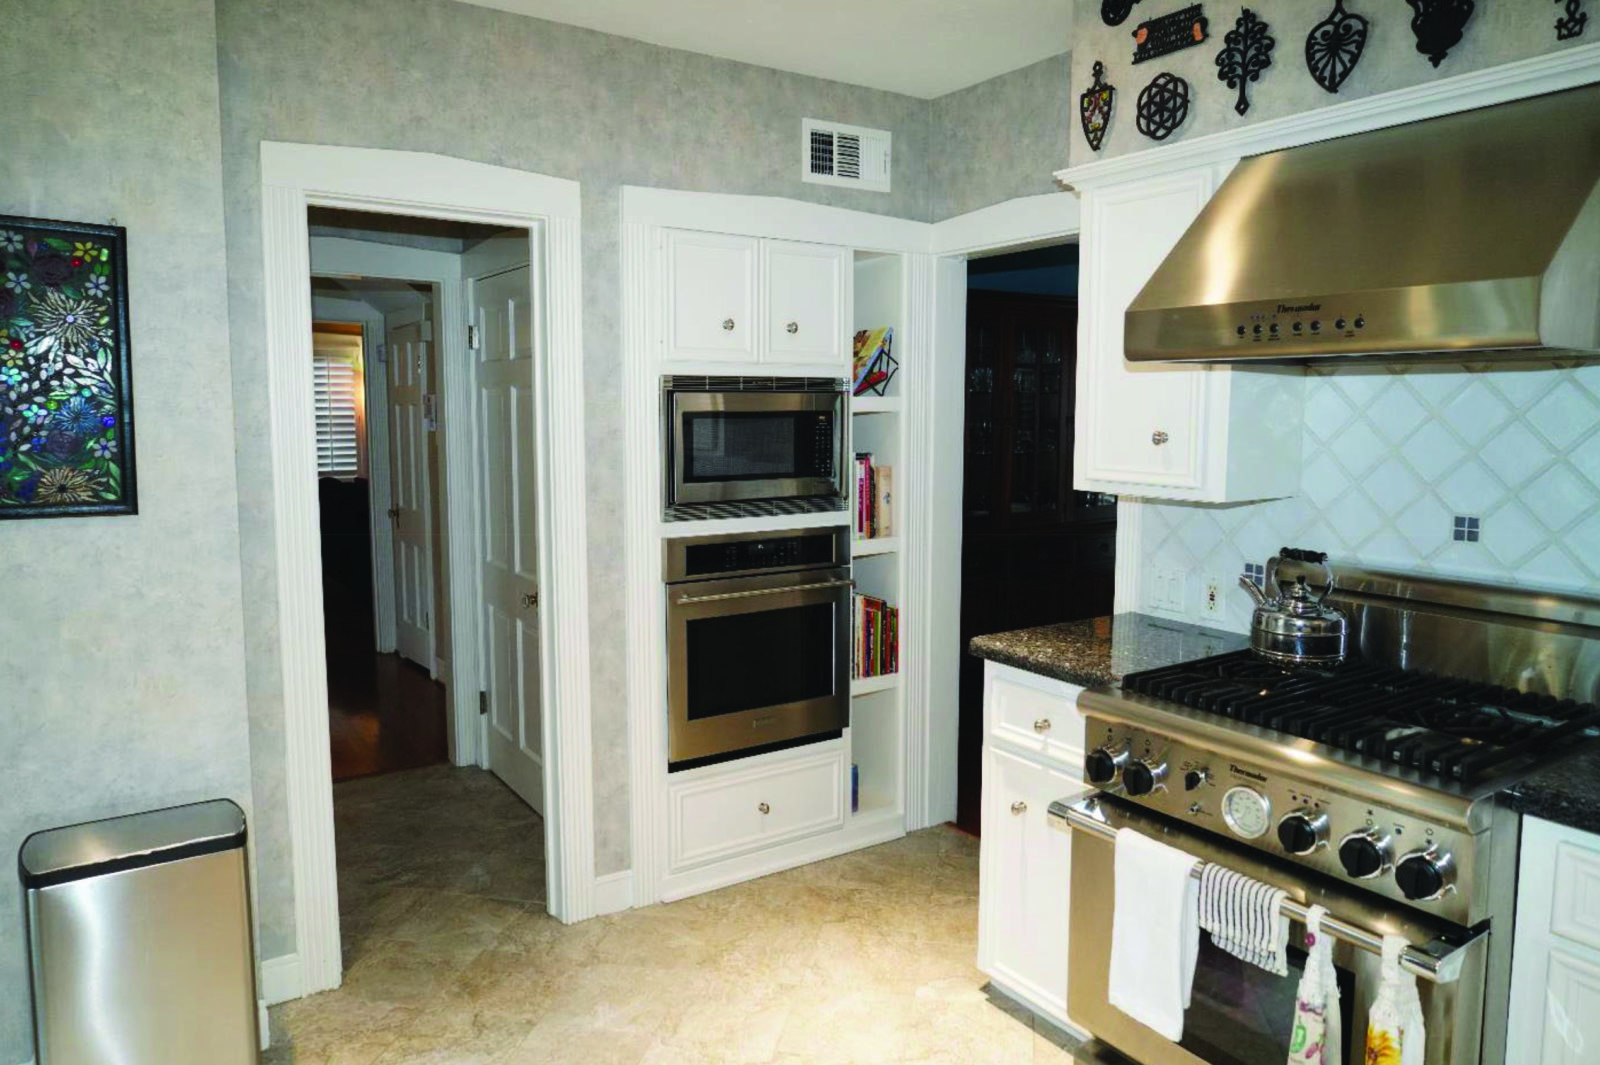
{"x": 739, "y": 662}
{"x": 1240, "y": 1014}
{"x": 721, "y": 446}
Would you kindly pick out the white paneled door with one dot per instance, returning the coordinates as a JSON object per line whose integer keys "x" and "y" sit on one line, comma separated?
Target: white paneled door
{"x": 506, "y": 347}
{"x": 408, "y": 473}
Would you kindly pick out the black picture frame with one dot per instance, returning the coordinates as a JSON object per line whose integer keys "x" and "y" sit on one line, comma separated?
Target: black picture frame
{"x": 34, "y": 252}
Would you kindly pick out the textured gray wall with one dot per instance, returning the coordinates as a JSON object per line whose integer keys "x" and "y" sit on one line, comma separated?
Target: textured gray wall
{"x": 121, "y": 675}
{"x": 1499, "y": 32}
{"x": 429, "y": 75}
{"x": 1001, "y": 138}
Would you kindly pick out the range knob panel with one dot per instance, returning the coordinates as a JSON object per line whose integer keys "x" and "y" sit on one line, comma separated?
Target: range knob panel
{"x": 1303, "y": 831}
{"x": 1142, "y": 777}
{"x": 1364, "y": 854}
{"x": 1423, "y": 874}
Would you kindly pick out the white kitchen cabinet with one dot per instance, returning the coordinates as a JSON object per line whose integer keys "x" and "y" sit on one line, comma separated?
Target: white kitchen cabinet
{"x": 804, "y": 288}
{"x": 720, "y": 815}
{"x": 1211, "y": 433}
{"x": 711, "y": 296}
{"x": 1555, "y": 966}
{"x": 1024, "y": 864}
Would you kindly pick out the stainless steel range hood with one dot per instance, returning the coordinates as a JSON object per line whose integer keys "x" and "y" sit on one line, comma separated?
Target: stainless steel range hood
{"x": 1472, "y": 236}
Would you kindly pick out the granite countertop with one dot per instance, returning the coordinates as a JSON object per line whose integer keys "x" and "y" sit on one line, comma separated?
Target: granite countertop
{"x": 1098, "y": 652}
{"x": 1567, "y": 793}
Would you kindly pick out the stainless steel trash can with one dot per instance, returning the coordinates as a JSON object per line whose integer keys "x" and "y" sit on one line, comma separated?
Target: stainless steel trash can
{"x": 139, "y": 939}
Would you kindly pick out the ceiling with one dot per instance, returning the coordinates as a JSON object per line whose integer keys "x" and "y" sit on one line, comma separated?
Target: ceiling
{"x": 920, "y": 48}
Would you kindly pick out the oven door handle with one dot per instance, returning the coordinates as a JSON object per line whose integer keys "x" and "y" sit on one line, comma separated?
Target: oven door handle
{"x": 724, "y": 596}
{"x": 1437, "y": 961}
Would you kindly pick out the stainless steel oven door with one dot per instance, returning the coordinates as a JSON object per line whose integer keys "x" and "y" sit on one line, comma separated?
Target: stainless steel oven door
{"x": 1240, "y": 1014}
{"x": 725, "y": 446}
{"x": 757, "y": 660}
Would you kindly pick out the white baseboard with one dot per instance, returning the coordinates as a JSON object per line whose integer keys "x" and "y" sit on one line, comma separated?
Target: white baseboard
{"x": 280, "y": 979}
{"x": 613, "y": 893}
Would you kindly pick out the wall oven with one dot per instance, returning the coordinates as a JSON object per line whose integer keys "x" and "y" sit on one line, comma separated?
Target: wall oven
{"x": 1240, "y": 1014}
{"x": 758, "y": 640}
{"x": 750, "y": 441}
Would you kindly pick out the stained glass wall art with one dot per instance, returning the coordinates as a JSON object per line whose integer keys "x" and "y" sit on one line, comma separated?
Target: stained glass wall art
{"x": 66, "y": 395}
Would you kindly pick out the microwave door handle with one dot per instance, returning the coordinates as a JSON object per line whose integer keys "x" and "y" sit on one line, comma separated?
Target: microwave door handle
{"x": 723, "y": 597}
{"x": 1437, "y": 961}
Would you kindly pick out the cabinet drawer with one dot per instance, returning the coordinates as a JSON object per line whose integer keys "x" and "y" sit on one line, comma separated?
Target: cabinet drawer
{"x": 1036, "y": 714}
{"x": 722, "y": 816}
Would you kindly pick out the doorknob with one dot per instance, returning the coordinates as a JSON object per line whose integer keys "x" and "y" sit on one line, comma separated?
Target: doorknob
{"x": 1159, "y": 437}
{"x": 394, "y": 513}
{"x": 530, "y": 600}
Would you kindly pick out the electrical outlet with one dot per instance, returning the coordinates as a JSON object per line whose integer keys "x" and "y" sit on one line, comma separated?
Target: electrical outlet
{"x": 1211, "y": 596}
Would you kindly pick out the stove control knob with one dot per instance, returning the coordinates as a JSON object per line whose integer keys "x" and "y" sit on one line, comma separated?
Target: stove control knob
{"x": 1303, "y": 831}
{"x": 1364, "y": 854}
{"x": 1194, "y": 778}
{"x": 1104, "y": 765}
{"x": 1142, "y": 777}
{"x": 1424, "y": 874}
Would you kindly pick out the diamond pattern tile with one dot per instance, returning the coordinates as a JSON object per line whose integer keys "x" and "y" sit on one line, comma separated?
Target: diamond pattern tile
{"x": 1392, "y": 455}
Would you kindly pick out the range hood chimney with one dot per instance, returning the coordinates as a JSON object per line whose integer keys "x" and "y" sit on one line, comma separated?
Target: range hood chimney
{"x": 1472, "y": 236}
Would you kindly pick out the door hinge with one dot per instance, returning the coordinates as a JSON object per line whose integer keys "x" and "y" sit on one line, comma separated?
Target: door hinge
{"x": 472, "y": 337}
{"x": 483, "y": 702}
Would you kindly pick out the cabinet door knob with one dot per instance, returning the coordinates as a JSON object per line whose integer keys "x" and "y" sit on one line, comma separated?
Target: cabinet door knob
{"x": 1159, "y": 437}
{"x": 764, "y": 808}
{"x": 530, "y": 600}
{"x": 793, "y": 327}
{"x": 1042, "y": 725}
{"x": 727, "y": 324}
{"x": 1019, "y": 807}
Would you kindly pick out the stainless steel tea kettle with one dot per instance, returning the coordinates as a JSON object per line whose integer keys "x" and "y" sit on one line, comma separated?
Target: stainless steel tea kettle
{"x": 1295, "y": 628}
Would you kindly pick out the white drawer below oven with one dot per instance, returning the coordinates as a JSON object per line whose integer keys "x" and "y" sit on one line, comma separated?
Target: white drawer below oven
{"x": 723, "y": 815}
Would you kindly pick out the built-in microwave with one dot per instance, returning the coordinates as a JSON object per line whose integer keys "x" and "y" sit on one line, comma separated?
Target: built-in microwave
{"x": 753, "y": 441}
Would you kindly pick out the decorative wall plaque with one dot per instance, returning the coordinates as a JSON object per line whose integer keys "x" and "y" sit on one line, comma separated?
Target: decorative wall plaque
{"x": 1438, "y": 25}
{"x": 1163, "y": 105}
{"x": 1115, "y": 12}
{"x": 1094, "y": 107}
{"x": 1334, "y": 47}
{"x": 1157, "y": 37}
{"x": 66, "y": 394}
{"x": 1246, "y": 52}
{"x": 1571, "y": 25}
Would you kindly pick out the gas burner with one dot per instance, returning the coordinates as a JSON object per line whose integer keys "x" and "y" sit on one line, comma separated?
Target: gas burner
{"x": 1439, "y": 726}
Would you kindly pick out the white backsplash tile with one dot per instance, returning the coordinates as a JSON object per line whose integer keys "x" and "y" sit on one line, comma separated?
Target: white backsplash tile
{"x": 1392, "y": 455}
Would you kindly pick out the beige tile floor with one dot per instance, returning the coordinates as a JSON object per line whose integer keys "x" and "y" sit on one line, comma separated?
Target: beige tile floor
{"x": 450, "y": 957}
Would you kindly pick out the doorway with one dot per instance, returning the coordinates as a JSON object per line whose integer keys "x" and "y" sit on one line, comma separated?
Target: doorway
{"x": 298, "y": 177}
{"x": 1034, "y": 550}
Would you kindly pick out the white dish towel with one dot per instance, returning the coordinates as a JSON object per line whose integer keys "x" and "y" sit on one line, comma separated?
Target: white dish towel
{"x": 1155, "y": 934}
{"x": 1245, "y": 918}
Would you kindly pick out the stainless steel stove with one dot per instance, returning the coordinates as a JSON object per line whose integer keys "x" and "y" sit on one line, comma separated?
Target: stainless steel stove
{"x": 1374, "y": 787}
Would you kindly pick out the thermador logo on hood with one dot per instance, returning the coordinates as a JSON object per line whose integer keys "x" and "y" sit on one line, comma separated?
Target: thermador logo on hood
{"x": 1284, "y": 308}
{"x": 1257, "y": 777}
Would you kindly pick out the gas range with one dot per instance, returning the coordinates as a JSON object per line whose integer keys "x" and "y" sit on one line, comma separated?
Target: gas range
{"x": 1384, "y": 771}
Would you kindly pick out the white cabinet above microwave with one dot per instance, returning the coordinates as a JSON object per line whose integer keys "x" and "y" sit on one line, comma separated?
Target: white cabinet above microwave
{"x": 1209, "y": 433}
{"x": 736, "y": 299}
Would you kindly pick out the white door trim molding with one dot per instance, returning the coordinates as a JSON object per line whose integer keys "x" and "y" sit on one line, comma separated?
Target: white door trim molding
{"x": 294, "y": 177}
{"x": 1565, "y": 69}
{"x": 1014, "y": 225}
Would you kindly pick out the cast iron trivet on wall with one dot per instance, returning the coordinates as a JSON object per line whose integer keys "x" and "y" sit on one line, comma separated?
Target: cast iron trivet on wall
{"x": 1163, "y": 105}
{"x": 1334, "y": 47}
{"x": 1094, "y": 107}
{"x": 1438, "y": 25}
{"x": 1115, "y": 12}
{"x": 1157, "y": 37}
{"x": 1247, "y": 51}
{"x": 1572, "y": 24}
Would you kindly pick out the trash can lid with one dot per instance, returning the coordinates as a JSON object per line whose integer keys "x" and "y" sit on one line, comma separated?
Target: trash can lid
{"x": 95, "y": 848}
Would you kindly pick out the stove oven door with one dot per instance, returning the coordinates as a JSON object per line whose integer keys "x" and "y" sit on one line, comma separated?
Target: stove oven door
{"x": 1240, "y": 1014}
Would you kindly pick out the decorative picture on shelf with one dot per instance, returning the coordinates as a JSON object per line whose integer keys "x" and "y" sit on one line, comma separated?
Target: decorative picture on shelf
{"x": 873, "y": 366}
{"x": 1170, "y": 33}
{"x": 66, "y": 395}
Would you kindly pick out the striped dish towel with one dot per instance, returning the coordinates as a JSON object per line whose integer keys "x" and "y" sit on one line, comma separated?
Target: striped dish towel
{"x": 1243, "y": 916}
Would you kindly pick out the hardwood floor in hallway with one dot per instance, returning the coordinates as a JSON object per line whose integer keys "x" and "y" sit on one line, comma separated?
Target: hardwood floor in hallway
{"x": 450, "y": 957}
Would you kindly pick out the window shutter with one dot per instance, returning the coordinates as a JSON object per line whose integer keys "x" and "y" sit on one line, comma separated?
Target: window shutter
{"x": 338, "y": 439}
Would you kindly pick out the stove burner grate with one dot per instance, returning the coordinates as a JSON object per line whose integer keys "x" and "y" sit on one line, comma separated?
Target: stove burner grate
{"x": 1442, "y": 726}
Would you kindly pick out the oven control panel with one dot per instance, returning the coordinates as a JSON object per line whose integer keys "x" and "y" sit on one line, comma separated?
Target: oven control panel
{"x": 1337, "y": 832}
